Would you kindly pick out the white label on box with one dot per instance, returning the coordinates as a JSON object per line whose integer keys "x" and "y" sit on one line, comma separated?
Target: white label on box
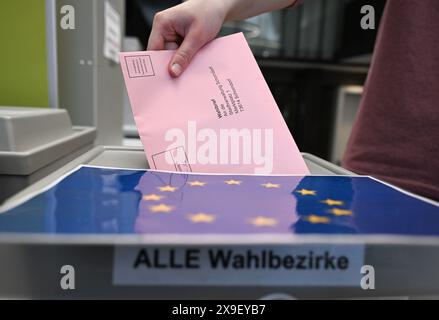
{"x": 287, "y": 265}
{"x": 113, "y": 33}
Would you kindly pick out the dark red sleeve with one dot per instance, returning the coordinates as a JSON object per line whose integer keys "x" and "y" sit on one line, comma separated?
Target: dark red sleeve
{"x": 396, "y": 134}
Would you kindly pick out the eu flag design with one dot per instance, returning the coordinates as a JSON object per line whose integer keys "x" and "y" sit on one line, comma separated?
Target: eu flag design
{"x": 115, "y": 201}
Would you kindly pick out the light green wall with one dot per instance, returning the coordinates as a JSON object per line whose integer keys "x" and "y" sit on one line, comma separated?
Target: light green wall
{"x": 23, "y": 65}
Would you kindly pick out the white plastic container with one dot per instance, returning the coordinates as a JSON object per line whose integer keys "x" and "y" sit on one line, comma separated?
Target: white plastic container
{"x": 35, "y": 142}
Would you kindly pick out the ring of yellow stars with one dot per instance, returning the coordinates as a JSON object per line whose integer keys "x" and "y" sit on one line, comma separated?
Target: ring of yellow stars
{"x": 340, "y": 212}
{"x": 316, "y": 219}
{"x": 305, "y": 192}
{"x": 261, "y": 221}
{"x": 167, "y": 189}
{"x": 197, "y": 183}
{"x": 270, "y": 185}
{"x": 163, "y": 208}
{"x": 331, "y": 202}
{"x": 152, "y": 197}
{"x": 233, "y": 182}
{"x": 201, "y": 217}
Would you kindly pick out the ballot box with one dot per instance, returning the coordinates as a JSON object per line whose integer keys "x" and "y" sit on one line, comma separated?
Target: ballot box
{"x": 34, "y": 142}
{"x": 103, "y": 226}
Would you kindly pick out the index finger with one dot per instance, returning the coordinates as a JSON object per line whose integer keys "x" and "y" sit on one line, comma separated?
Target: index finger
{"x": 156, "y": 40}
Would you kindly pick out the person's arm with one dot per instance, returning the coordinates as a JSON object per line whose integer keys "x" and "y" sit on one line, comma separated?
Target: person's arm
{"x": 243, "y": 9}
{"x": 190, "y": 25}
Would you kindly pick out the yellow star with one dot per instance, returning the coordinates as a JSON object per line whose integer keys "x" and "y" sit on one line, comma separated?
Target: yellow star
{"x": 340, "y": 212}
{"x": 305, "y": 192}
{"x": 331, "y": 202}
{"x": 233, "y": 182}
{"x": 271, "y": 185}
{"x": 167, "y": 188}
{"x": 152, "y": 197}
{"x": 316, "y": 219}
{"x": 201, "y": 217}
{"x": 197, "y": 183}
{"x": 161, "y": 208}
{"x": 261, "y": 221}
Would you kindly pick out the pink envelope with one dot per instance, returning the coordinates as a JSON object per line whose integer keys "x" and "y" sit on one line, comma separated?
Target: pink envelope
{"x": 217, "y": 117}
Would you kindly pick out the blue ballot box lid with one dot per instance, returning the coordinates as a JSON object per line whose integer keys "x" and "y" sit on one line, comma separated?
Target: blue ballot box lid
{"x": 92, "y": 200}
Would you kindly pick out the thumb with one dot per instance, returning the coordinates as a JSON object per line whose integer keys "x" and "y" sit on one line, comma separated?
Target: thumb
{"x": 184, "y": 54}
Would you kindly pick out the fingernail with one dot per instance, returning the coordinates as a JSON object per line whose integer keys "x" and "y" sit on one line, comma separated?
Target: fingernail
{"x": 176, "y": 69}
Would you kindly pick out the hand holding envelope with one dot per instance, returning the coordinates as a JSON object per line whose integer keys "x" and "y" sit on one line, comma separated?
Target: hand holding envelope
{"x": 218, "y": 117}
